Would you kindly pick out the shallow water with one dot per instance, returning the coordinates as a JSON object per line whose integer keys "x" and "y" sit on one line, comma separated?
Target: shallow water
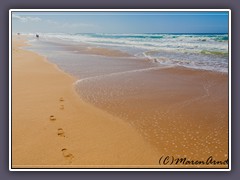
{"x": 180, "y": 111}
{"x": 198, "y": 51}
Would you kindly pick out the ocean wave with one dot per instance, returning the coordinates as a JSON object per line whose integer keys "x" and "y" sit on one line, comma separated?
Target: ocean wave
{"x": 183, "y": 49}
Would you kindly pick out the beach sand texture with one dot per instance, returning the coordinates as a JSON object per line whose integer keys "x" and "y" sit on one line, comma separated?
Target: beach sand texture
{"x": 52, "y": 127}
{"x": 183, "y": 115}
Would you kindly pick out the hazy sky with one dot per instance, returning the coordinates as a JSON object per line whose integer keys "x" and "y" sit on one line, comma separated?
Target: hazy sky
{"x": 120, "y": 22}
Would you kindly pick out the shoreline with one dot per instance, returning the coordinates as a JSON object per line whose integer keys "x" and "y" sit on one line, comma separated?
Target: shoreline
{"x": 185, "y": 114}
{"x": 172, "y": 75}
{"x": 80, "y": 134}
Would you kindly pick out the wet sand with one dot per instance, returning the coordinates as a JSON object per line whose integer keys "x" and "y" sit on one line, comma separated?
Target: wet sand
{"x": 181, "y": 112}
{"x": 52, "y": 127}
{"x": 122, "y": 119}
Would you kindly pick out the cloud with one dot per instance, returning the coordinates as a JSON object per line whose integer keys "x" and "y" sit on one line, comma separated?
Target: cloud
{"x": 52, "y": 22}
{"x": 66, "y": 25}
{"x": 70, "y": 25}
{"x": 26, "y": 18}
{"x": 51, "y": 25}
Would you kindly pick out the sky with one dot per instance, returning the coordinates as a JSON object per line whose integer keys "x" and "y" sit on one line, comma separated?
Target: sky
{"x": 120, "y": 22}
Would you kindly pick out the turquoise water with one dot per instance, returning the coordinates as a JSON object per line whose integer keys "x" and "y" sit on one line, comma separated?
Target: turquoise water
{"x": 198, "y": 51}
{"x": 146, "y": 94}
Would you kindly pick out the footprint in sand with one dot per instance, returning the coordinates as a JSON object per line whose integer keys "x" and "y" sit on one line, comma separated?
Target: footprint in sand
{"x": 68, "y": 156}
{"x": 52, "y": 118}
{"x": 60, "y": 132}
{"x": 61, "y": 106}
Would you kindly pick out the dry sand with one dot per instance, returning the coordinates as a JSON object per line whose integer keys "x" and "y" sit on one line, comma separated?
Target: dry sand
{"x": 190, "y": 121}
{"x": 78, "y": 134}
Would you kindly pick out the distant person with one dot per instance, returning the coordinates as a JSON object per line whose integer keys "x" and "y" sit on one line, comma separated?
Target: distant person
{"x": 18, "y": 33}
{"x": 37, "y": 36}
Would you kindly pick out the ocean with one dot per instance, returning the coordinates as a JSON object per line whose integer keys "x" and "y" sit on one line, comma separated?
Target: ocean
{"x": 171, "y": 88}
{"x": 197, "y": 51}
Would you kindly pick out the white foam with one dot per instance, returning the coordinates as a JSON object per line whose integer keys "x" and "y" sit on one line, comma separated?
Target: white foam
{"x": 182, "y": 50}
{"x": 120, "y": 73}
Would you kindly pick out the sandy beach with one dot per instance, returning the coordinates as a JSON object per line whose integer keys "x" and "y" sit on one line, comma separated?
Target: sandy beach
{"x": 144, "y": 89}
{"x": 52, "y": 127}
{"x": 182, "y": 112}
{"x": 126, "y": 120}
